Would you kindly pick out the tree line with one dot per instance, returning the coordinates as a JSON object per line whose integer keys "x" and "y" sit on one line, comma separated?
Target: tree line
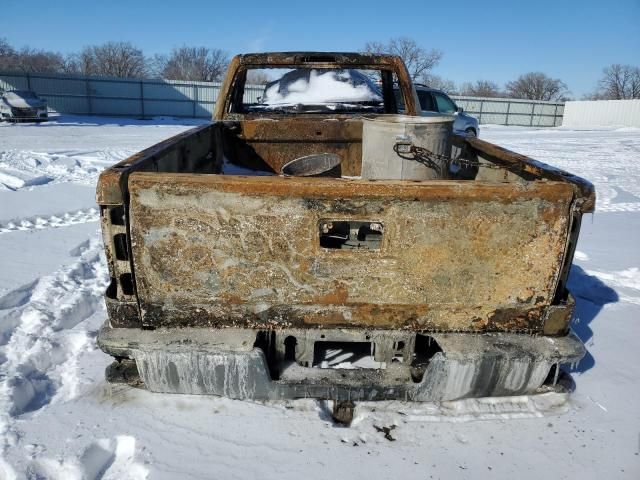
{"x": 617, "y": 82}
{"x": 123, "y": 59}
{"x": 421, "y": 62}
{"x": 119, "y": 59}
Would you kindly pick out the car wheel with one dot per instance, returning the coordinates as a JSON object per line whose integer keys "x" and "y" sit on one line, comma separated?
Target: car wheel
{"x": 470, "y": 132}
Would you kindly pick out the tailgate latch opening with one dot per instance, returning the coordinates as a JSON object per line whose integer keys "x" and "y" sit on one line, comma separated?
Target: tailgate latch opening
{"x": 350, "y": 234}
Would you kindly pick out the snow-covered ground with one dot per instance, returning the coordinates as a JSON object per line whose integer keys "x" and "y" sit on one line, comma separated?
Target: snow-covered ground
{"x": 59, "y": 420}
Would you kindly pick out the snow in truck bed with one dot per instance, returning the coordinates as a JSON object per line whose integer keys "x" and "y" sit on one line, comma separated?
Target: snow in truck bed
{"x": 59, "y": 420}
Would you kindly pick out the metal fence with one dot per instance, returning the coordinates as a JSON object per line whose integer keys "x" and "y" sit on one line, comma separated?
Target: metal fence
{"x": 83, "y": 95}
{"x": 596, "y": 113}
{"x": 507, "y": 111}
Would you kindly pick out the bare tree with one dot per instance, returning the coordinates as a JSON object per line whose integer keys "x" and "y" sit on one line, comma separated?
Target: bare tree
{"x": 537, "y": 86}
{"x": 418, "y": 60}
{"x": 40, "y": 61}
{"x": 155, "y": 65}
{"x": 30, "y": 60}
{"x": 83, "y": 63}
{"x": 619, "y": 82}
{"x": 8, "y": 56}
{"x": 195, "y": 63}
{"x": 481, "y": 88}
{"x": 635, "y": 83}
{"x": 5, "y": 48}
{"x": 114, "y": 59}
{"x": 436, "y": 81}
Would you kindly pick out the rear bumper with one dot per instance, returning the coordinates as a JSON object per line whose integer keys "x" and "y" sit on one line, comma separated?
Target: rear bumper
{"x": 226, "y": 363}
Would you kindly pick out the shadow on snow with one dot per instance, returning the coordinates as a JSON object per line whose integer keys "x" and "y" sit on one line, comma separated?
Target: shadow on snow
{"x": 591, "y": 295}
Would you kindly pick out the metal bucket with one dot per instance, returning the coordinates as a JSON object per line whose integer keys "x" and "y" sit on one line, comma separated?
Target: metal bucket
{"x": 317, "y": 165}
{"x": 389, "y": 141}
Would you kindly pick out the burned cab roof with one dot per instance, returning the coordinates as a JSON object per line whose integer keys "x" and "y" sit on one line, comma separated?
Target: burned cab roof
{"x": 345, "y": 59}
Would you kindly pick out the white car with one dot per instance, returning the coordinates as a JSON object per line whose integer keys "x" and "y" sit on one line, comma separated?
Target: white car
{"x": 16, "y": 105}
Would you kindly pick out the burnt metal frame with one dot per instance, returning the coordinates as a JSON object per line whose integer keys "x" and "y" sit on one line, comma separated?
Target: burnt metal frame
{"x": 239, "y": 88}
{"x": 231, "y": 364}
{"x": 113, "y": 192}
{"x": 113, "y": 186}
{"x": 236, "y": 73}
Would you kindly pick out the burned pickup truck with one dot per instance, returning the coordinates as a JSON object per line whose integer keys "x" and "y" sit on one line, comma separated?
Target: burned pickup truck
{"x": 312, "y": 242}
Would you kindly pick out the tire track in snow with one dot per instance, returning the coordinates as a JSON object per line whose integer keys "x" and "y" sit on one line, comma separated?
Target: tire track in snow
{"x": 618, "y": 207}
{"x": 41, "y": 222}
{"x": 39, "y": 347}
{"x": 27, "y": 168}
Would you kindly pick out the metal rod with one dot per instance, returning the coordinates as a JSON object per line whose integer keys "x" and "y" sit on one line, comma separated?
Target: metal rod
{"x": 533, "y": 109}
{"x": 88, "y": 92}
{"x": 142, "y": 98}
{"x": 195, "y": 99}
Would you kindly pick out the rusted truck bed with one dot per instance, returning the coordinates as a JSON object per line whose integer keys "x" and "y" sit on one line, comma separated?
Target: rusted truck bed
{"x": 233, "y": 284}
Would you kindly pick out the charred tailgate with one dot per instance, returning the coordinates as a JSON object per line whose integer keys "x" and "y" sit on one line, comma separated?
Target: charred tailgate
{"x": 245, "y": 251}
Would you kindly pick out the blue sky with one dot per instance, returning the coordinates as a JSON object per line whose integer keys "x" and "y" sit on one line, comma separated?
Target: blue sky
{"x": 571, "y": 40}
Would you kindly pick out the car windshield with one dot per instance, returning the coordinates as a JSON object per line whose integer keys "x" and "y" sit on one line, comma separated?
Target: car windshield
{"x": 310, "y": 90}
{"x": 16, "y": 94}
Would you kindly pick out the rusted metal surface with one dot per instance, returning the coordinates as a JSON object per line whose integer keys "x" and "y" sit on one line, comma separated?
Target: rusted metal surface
{"x": 585, "y": 191}
{"x": 240, "y": 63}
{"x": 273, "y": 265}
{"x": 122, "y": 304}
{"x": 112, "y": 183}
{"x": 558, "y": 317}
{"x": 232, "y": 251}
{"x": 278, "y": 141}
{"x": 484, "y": 254}
{"x": 123, "y": 314}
